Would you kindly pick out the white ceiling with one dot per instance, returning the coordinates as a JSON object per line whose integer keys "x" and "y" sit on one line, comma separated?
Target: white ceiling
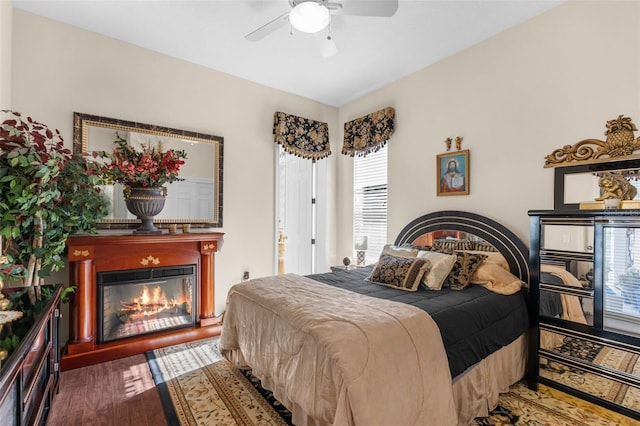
{"x": 372, "y": 51}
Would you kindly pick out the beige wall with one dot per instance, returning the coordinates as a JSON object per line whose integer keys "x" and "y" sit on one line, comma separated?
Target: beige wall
{"x": 6, "y": 12}
{"x": 59, "y": 69}
{"x": 551, "y": 81}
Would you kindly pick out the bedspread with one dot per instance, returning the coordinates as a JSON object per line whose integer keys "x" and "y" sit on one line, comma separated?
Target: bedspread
{"x": 339, "y": 357}
{"x": 473, "y": 323}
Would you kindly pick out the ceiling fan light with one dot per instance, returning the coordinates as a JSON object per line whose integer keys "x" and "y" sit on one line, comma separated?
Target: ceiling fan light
{"x": 309, "y": 17}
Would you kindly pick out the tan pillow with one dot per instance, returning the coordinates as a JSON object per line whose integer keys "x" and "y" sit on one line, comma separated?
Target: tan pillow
{"x": 399, "y": 251}
{"x": 494, "y": 278}
{"x": 399, "y": 272}
{"x": 441, "y": 265}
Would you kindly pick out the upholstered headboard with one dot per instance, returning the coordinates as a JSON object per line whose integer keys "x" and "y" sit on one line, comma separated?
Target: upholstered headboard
{"x": 504, "y": 241}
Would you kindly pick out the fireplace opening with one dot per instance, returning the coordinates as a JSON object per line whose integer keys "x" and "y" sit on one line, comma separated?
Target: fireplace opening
{"x": 142, "y": 301}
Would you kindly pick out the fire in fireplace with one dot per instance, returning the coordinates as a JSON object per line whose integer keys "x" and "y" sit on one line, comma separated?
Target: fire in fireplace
{"x": 142, "y": 301}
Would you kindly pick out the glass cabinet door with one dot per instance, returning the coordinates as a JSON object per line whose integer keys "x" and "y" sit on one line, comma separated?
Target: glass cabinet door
{"x": 621, "y": 279}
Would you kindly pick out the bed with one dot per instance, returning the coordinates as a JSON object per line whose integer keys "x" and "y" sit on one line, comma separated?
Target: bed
{"x": 336, "y": 348}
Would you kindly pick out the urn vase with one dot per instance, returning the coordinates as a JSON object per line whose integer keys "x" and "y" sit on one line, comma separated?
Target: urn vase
{"x": 145, "y": 203}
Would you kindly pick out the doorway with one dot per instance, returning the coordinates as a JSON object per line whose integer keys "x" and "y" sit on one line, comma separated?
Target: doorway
{"x": 296, "y": 214}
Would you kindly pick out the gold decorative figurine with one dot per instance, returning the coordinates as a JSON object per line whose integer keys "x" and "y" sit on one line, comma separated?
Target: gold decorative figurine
{"x": 458, "y": 143}
{"x": 615, "y": 186}
{"x": 447, "y": 142}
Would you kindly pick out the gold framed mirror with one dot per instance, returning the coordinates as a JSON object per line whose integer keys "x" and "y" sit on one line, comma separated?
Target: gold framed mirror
{"x": 196, "y": 200}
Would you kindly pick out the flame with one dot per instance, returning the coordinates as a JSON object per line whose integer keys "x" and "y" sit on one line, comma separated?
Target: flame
{"x": 152, "y": 302}
{"x": 156, "y": 298}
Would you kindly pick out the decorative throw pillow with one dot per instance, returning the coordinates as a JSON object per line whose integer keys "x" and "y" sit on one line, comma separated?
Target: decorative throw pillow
{"x": 399, "y": 272}
{"x": 452, "y": 244}
{"x": 399, "y": 251}
{"x": 416, "y": 246}
{"x": 441, "y": 265}
{"x": 483, "y": 246}
{"x": 463, "y": 269}
{"x": 493, "y": 257}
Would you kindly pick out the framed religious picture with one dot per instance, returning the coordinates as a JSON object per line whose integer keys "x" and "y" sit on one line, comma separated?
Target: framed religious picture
{"x": 453, "y": 173}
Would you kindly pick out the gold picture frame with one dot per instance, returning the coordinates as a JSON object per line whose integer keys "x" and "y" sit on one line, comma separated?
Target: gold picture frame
{"x": 453, "y": 173}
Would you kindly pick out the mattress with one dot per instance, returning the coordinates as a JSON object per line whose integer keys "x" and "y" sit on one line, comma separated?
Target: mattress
{"x": 474, "y": 322}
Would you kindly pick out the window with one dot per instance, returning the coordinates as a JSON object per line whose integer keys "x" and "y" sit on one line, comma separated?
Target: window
{"x": 370, "y": 203}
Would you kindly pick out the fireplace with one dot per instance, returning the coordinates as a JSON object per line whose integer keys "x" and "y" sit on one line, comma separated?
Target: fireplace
{"x": 110, "y": 271}
{"x": 143, "y": 301}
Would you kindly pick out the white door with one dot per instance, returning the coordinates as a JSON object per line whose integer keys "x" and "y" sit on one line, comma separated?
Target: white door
{"x": 296, "y": 211}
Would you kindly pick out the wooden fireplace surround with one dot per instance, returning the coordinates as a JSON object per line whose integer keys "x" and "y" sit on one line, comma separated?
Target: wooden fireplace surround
{"x": 90, "y": 254}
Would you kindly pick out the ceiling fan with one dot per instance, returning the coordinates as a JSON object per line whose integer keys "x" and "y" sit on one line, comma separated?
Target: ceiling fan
{"x": 312, "y": 16}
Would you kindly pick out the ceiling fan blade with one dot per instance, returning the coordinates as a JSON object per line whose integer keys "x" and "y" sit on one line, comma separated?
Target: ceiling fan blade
{"x": 327, "y": 45}
{"x": 268, "y": 28}
{"x": 364, "y": 7}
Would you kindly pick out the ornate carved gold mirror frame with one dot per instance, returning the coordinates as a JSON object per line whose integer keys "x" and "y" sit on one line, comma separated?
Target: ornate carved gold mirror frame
{"x": 196, "y": 200}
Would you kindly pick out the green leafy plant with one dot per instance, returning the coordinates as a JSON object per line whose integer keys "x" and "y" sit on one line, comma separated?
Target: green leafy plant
{"x": 13, "y": 333}
{"x": 47, "y": 194}
{"x": 10, "y": 342}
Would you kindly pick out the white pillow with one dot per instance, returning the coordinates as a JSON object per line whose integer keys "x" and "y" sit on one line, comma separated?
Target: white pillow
{"x": 392, "y": 250}
{"x": 441, "y": 265}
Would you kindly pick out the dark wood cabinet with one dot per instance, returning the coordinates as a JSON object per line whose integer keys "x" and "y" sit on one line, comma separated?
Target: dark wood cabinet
{"x": 29, "y": 377}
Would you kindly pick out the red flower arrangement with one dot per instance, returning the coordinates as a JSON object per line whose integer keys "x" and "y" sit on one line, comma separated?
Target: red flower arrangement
{"x": 140, "y": 169}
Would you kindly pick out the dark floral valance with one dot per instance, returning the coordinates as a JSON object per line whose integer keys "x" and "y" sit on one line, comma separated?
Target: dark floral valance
{"x": 301, "y": 136}
{"x": 368, "y": 134}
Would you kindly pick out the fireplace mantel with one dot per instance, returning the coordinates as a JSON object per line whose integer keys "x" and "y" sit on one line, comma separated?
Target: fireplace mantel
{"x": 114, "y": 251}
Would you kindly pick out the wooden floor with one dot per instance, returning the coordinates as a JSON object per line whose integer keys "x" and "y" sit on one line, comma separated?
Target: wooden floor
{"x": 119, "y": 392}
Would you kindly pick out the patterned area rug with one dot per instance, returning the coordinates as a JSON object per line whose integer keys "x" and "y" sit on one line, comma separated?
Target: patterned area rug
{"x": 199, "y": 387}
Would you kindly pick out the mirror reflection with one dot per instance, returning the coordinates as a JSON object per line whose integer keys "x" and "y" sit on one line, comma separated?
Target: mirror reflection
{"x": 579, "y": 183}
{"x": 571, "y": 273}
{"x": 619, "y": 388}
{"x": 581, "y": 187}
{"x": 456, "y": 240}
{"x": 621, "y": 280}
{"x": 197, "y": 199}
{"x": 571, "y": 238}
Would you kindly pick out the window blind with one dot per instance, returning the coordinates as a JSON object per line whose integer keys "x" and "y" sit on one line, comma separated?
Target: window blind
{"x": 370, "y": 202}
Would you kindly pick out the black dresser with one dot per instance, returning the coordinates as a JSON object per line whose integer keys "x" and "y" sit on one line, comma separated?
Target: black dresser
{"x": 585, "y": 289}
